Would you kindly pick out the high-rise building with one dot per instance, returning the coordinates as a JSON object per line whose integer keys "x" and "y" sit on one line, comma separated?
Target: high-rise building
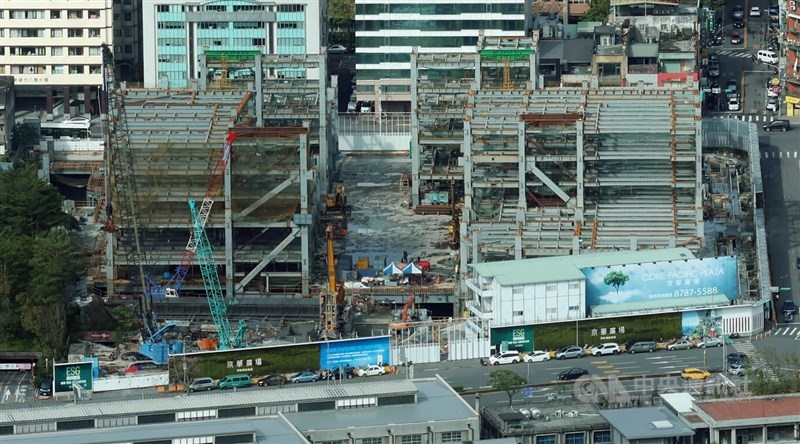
{"x": 177, "y": 32}
{"x": 128, "y": 39}
{"x": 387, "y": 30}
{"x": 52, "y": 48}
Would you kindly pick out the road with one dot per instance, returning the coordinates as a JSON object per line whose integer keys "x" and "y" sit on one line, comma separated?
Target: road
{"x": 15, "y": 388}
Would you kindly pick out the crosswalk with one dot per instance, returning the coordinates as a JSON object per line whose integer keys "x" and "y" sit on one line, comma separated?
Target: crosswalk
{"x": 765, "y": 118}
{"x": 755, "y": 357}
{"x": 739, "y": 54}
{"x": 788, "y": 330}
{"x": 781, "y": 155}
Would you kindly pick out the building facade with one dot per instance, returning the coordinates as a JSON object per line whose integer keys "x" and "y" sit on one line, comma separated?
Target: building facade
{"x": 128, "y": 39}
{"x": 53, "y": 48}
{"x": 177, "y": 32}
{"x": 6, "y": 112}
{"x": 387, "y": 31}
{"x": 792, "y": 58}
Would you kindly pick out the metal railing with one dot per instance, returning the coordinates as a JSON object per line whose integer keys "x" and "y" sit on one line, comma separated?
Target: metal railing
{"x": 386, "y": 124}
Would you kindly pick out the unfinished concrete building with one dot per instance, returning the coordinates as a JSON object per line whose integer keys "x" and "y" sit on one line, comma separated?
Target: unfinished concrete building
{"x": 554, "y": 171}
{"x": 262, "y": 224}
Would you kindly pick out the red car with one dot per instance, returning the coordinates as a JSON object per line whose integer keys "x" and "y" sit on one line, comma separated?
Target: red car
{"x": 736, "y": 39}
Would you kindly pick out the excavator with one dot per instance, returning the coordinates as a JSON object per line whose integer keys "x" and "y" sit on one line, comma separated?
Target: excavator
{"x": 405, "y": 316}
{"x": 332, "y": 298}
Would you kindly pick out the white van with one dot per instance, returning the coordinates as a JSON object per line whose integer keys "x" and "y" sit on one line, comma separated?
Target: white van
{"x": 765, "y": 56}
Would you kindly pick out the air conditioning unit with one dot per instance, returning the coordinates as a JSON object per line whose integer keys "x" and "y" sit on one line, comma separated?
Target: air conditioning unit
{"x": 557, "y": 414}
{"x": 573, "y": 414}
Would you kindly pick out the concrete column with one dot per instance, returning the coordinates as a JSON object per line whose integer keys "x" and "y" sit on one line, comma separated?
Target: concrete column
{"x": 228, "y": 215}
{"x": 67, "y": 100}
{"x": 87, "y": 100}
{"x": 325, "y": 152}
{"x": 580, "y": 165}
{"x": 259, "y": 85}
{"x": 49, "y": 105}
{"x": 305, "y": 238}
{"x": 202, "y": 75}
{"x": 415, "y": 161}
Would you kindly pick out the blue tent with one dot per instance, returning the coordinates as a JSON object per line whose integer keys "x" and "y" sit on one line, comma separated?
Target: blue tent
{"x": 392, "y": 268}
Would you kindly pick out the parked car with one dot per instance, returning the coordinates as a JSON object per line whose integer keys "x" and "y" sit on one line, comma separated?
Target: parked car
{"x": 609, "y": 348}
{"x": 372, "y": 370}
{"x": 683, "y": 344}
{"x": 774, "y": 10}
{"x": 642, "y": 347}
{"x": 773, "y": 104}
{"x": 306, "y": 376}
{"x": 755, "y": 11}
{"x": 779, "y": 125}
{"x": 736, "y": 38}
{"x": 348, "y": 372}
{"x": 710, "y": 342}
{"x": 337, "y": 49}
{"x": 571, "y": 374}
{"x": 198, "y": 384}
{"x": 537, "y": 356}
{"x": 45, "y": 388}
{"x": 507, "y": 357}
{"x": 233, "y": 381}
{"x": 694, "y": 373}
{"x": 713, "y": 69}
{"x": 731, "y": 86}
{"x": 569, "y": 352}
{"x": 271, "y": 380}
{"x": 733, "y": 104}
{"x": 738, "y": 11}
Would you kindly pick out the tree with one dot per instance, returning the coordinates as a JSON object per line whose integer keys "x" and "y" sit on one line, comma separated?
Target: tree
{"x": 22, "y": 136}
{"x": 598, "y": 11}
{"x": 507, "y": 381}
{"x": 616, "y": 279}
{"x": 28, "y": 205}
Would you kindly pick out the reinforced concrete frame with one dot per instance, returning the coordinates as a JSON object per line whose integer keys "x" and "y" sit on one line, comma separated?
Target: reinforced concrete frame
{"x": 554, "y": 171}
{"x": 281, "y": 164}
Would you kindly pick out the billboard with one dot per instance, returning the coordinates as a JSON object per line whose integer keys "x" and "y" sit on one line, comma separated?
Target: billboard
{"x": 65, "y": 375}
{"x": 355, "y": 352}
{"x": 518, "y": 338}
{"x": 666, "y": 280}
{"x": 700, "y": 323}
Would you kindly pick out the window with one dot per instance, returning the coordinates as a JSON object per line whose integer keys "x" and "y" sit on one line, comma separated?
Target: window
{"x": 215, "y": 8}
{"x": 95, "y": 51}
{"x": 117, "y": 33}
{"x": 450, "y": 437}
{"x": 128, "y": 32}
{"x": 117, "y": 49}
{"x": 259, "y": 42}
{"x": 75, "y": 51}
{"x": 517, "y": 313}
{"x": 21, "y": 14}
{"x": 170, "y": 25}
{"x": 75, "y": 33}
{"x": 94, "y": 13}
{"x": 128, "y": 16}
{"x": 76, "y": 69}
{"x": 575, "y": 438}
{"x": 546, "y": 439}
{"x": 371, "y": 441}
{"x": 162, "y": 8}
{"x": 94, "y": 33}
{"x": 57, "y": 51}
{"x": 56, "y": 33}
{"x": 411, "y": 439}
{"x": 128, "y": 49}
{"x": 574, "y": 285}
{"x": 58, "y": 69}
{"x": 55, "y": 14}
{"x": 75, "y": 14}
{"x": 602, "y": 437}
{"x": 95, "y": 69}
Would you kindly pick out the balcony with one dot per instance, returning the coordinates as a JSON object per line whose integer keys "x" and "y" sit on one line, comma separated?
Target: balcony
{"x": 484, "y": 292}
{"x": 477, "y": 311}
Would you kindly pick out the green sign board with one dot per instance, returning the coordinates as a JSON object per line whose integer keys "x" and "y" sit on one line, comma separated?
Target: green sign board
{"x": 518, "y": 338}
{"x": 65, "y": 375}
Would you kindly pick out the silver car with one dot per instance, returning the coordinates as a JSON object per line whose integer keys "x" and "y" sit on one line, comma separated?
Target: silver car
{"x": 569, "y": 352}
{"x": 683, "y": 344}
{"x": 710, "y": 342}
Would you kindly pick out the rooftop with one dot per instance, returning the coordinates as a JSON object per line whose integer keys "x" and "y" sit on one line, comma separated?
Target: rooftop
{"x": 754, "y": 408}
{"x": 564, "y": 268}
{"x": 646, "y": 423}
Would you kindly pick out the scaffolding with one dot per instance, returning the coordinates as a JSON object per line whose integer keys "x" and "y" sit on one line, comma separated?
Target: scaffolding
{"x": 554, "y": 171}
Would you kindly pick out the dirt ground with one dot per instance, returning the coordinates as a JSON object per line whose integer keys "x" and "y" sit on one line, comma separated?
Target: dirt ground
{"x": 382, "y": 225}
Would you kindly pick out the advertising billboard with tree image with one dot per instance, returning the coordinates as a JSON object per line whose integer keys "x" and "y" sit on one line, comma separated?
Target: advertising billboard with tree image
{"x": 664, "y": 284}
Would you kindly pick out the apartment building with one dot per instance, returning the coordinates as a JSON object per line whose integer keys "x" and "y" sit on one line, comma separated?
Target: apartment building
{"x": 387, "y": 31}
{"x": 176, "y": 33}
{"x": 53, "y": 50}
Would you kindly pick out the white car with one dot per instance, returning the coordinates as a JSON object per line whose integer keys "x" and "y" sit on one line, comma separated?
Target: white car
{"x": 733, "y": 104}
{"x": 337, "y": 49}
{"x": 508, "y": 357}
{"x": 372, "y": 370}
{"x": 710, "y": 342}
{"x": 610, "y": 348}
{"x": 537, "y": 356}
{"x": 772, "y": 104}
{"x": 755, "y": 12}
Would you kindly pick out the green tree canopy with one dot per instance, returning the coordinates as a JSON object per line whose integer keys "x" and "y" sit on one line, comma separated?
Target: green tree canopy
{"x": 616, "y": 279}
{"x": 28, "y": 205}
{"x": 598, "y": 11}
{"x": 507, "y": 381}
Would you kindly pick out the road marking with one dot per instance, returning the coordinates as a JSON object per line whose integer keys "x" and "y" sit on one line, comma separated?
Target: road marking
{"x": 793, "y": 330}
{"x": 598, "y": 362}
{"x": 431, "y": 370}
{"x": 605, "y": 366}
{"x": 611, "y": 371}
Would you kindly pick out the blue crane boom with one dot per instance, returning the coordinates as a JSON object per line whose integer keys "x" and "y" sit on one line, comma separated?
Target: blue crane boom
{"x": 208, "y": 268}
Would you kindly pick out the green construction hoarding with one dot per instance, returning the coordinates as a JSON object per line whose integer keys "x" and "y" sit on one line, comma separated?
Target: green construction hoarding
{"x": 65, "y": 375}
{"x": 518, "y": 338}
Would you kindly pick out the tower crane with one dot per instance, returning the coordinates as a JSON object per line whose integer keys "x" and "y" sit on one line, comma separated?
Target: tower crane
{"x": 173, "y": 286}
{"x": 124, "y": 196}
{"x": 208, "y": 268}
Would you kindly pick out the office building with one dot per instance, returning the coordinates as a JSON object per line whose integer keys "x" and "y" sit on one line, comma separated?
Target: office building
{"x": 387, "y": 31}
{"x": 128, "y": 39}
{"x": 177, "y": 32}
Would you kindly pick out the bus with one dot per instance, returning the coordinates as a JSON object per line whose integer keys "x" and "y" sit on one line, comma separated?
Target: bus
{"x": 76, "y": 128}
